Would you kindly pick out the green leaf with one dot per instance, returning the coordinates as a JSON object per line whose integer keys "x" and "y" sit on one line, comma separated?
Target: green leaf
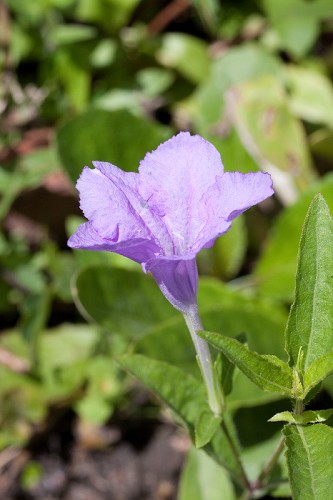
{"x": 206, "y": 427}
{"x": 123, "y": 301}
{"x": 271, "y": 134}
{"x": 275, "y": 270}
{"x": 318, "y": 371}
{"x": 226, "y": 257}
{"x": 117, "y": 137}
{"x": 296, "y": 22}
{"x": 310, "y": 323}
{"x": 268, "y": 372}
{"x": 204, "y": 479}
{"x": 229, "y": 311}
{"x": 309, "y": 458}
{"x": 188, "y": 54}
{"x": 311, "y": 95}
{"x": 238, "y": 64}
{"x": 63, "y": 34}
{"x": 307, "y": 417}
{"x": 184, "y": 394}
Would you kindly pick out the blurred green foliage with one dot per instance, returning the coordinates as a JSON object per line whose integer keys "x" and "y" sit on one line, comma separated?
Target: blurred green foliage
{"x": 109, "y": 80}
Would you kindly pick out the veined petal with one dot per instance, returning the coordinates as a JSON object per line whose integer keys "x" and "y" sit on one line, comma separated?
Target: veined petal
{"x": 174, "y": 178}
{"x": 108, "y": 207}
{"x": 109, "y": 198}
{"x": 238, "y": 192}
{"x": 177, "y": 279}
{"x": 87, "y": 238}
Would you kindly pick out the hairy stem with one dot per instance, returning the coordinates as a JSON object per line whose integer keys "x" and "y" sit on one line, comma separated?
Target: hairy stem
{"x": 215, "y": 396}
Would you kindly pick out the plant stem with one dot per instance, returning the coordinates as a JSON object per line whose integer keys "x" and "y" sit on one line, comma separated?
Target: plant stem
{"x": 215, "y": 396}
{"x": 234, "y": 449}
{"x": 268, "y": 467}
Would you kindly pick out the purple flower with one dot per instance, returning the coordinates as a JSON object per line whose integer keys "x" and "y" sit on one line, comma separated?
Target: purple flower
{"x": 180, "y": 202}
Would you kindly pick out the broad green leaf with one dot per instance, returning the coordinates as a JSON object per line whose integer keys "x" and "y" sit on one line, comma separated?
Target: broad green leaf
{"x": 184, "y": 394}
{"x": 117, "y": 137}
{"x": 255, "y": 457}
{"x": 204, "y": 479}
{"x": 272, "y": 135}
{"x": 123, "y": 301}
{"x": 275, "y": 270}
{"x": 307, "y": 417}
{"x": 238, "y": 64}
{"x": 318, "y": 371}
{"x": 186, "y": 53}
{"x": 310, "y": 323}
{"x": 311, "y": 95}
{"x": 297, "y": 22}
{"x": 226, "y": 257}
{"x": 309, "y": 458}
{"x": 206, "y": 427}
{"x": 268, "y": 372}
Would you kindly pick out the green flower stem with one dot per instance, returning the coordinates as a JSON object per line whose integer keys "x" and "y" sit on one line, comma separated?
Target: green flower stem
{"x": 215, "y": 396}
{"x": 214, "y": 391}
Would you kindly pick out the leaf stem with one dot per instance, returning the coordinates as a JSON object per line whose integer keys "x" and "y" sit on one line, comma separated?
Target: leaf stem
{"x": 234, "y": 449}
{"x": 268, "y": 467}
{"x": 215, "y": 396}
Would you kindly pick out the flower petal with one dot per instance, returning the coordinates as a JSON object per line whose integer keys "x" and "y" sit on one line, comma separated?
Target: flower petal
{"x": 177, "y": 279}
{"x": 108, "y": 207}
{"x": 173, "y": 180}
{"x": 87, "y": 238}
{"x": 238, "y": 192}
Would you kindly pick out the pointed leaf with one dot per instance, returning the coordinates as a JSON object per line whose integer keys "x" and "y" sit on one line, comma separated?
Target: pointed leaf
{"x": 307, "y": 417}
{"x": 310, "y": 323}
{"x": 268, "y": 372}
{"x": 204, "y": 479}
{"x": 318, "y": 371}
{"x": 206, "y": 427}
{"x": 309, "y": 458}
{"x": 184, "y": 394}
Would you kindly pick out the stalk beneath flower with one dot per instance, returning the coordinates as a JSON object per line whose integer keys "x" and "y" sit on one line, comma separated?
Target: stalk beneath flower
{"x": 215, "y": 396}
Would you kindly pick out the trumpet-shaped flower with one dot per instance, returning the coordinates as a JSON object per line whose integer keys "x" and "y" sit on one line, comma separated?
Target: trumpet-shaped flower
{"x": 179, "y": 203}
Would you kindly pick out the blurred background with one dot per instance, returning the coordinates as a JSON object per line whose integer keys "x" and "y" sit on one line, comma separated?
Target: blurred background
{"x": 84, "y": 80}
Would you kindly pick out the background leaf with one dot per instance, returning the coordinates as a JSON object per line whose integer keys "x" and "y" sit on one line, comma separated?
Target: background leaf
{"x": 106, "y": 136}
{"x": 204, "y": 479}
{"x": 274, "y": 273}
{"x": 123, "y": 301}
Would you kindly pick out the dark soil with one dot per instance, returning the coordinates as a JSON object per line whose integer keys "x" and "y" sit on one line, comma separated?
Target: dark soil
{"x": 142, "y": 463}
